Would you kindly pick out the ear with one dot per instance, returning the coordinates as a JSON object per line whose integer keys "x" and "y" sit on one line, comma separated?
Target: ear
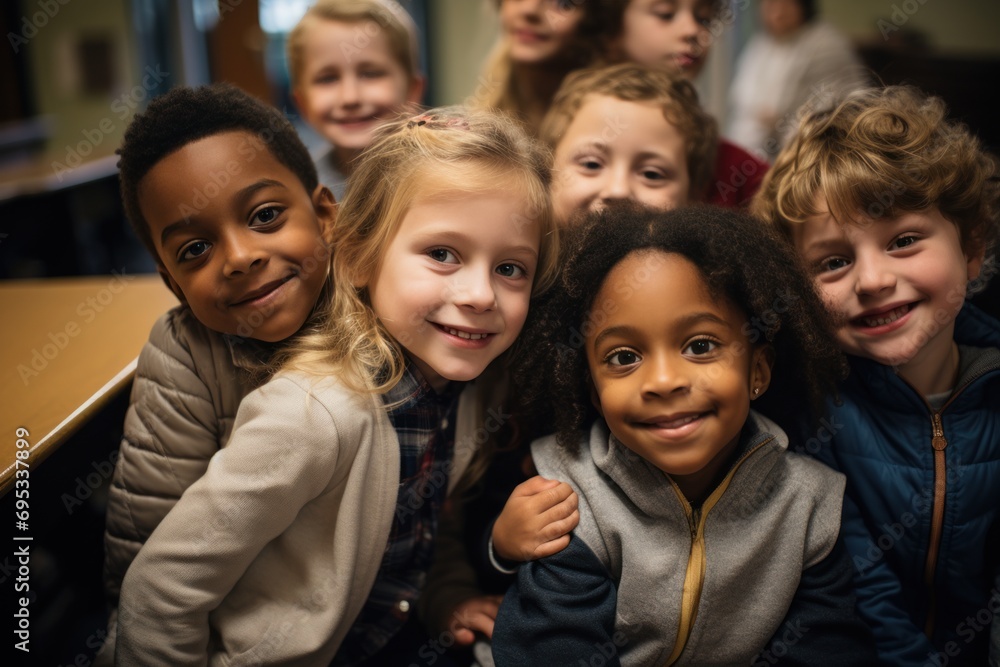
{"x": 325, "y": 206}
{"x": 974, "y": 261}
{"x": 415, "y": 92}
{"x": 761, "y": 362}
{"x": 171, "y": 283}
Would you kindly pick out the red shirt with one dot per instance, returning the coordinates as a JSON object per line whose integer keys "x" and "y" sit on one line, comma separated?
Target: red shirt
{"x": 737, "y": 176}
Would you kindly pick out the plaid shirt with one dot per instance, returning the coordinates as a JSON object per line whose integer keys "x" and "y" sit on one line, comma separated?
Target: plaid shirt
{"x": 425, "y": 424}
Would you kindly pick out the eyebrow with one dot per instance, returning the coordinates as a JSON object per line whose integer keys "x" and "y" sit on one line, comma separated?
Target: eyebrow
{"x": 591, "y": 145}
{"x": 240, "y": 198}
{"x": 822, "y": 245}
{"x": 683, "y": 322}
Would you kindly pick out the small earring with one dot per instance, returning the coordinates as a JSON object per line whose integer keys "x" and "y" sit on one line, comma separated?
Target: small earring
{"x": 756, "y": 391}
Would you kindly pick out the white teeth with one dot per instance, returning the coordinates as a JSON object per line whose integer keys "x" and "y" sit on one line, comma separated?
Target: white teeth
{"x": 891, "y": 316}
{"x": 677, "y": 423}
{"x": 466, "y": 335}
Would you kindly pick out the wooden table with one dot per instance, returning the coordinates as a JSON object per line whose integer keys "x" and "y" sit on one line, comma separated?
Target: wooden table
{"x": 69, "y": 345}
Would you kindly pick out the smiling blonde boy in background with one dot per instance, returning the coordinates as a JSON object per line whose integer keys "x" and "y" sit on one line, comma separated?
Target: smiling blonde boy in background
{"x": 353, "y": 64}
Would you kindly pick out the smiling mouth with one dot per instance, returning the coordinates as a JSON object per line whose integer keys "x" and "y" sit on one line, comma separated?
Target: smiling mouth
{"x": 674, "y": 423}
{"x": 463, "y": 334}
{"x": 883, "y": 318}
{"x": 262, "y": 292}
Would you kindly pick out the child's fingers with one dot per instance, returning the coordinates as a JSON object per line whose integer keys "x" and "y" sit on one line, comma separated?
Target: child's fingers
{"x": 559, "y": 527}
{"x": 560, "y": 510}
{"x": 534, "y": 485}
{"x": 552, "y": 496}
{"x": 552, "y": 546}
{"x": 479, "y": 620}
{"x": 463, "y": 636}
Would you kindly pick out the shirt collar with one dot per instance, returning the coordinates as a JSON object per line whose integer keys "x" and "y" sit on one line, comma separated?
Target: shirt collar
{"x": 412, "y": 389}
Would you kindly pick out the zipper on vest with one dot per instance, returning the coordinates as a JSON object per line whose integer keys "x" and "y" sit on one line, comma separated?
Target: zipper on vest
{"x": 939, "y": 443}
{"x": 694, "y": 576}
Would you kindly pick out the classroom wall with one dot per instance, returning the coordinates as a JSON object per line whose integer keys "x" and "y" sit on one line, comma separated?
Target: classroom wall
{"x": 82, "y": 122}
{"x": 953, "y": 27}
{"x": 462, "y": 34}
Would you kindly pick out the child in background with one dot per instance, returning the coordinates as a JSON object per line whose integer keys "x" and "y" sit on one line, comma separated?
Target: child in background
{"x": 224, "y": 195}
{"x": 702, "y": 539}
{"x": 676, "y": 35}
{"x": 353, "y": 64}
{"x": 627, "y": 132}
{"x": 541, "y": 42}
{"x": 892, "y": 208}
{"x": 308, "y": 538}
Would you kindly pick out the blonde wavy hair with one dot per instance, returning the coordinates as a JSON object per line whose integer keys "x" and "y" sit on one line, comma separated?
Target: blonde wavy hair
{"x": 635, "y": 83}
{"x": 400, "y": 31}
{"x": 879, "y": 154}
{"x": 413, "y": 159}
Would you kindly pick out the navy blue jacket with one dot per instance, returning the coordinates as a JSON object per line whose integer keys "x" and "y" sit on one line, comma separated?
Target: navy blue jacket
{"x": 923, "y": 492}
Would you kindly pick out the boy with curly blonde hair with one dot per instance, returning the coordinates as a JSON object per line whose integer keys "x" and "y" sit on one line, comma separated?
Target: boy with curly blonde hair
{"x": 894, "y": 211}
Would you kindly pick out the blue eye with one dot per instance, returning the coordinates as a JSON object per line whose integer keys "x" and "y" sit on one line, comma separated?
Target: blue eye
{"x": 194, "y": 250}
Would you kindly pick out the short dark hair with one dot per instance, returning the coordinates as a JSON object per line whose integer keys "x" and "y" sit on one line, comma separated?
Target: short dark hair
{"x": 741, "y": 259}
{"x": 184, "y": 115}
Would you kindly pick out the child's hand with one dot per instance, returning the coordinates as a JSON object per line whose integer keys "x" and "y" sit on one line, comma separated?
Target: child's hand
{"x": 474, "y": 615}
{"x": 536, "y": 520}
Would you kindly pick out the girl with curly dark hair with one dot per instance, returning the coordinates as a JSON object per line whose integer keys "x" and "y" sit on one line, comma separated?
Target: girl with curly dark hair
{"x": 702, "y": 538}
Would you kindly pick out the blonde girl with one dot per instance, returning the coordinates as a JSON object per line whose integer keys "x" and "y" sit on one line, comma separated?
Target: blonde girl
{"x": 308, "y": 539}
{"x": 541, "y": 41}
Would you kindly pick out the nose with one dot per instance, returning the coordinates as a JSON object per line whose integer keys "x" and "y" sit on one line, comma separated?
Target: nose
{"x": 349, "y": 91}
{"x": 474, "y": 290}
{"x": 531, "y": 9}
{"x": 617, "y": 184}
{"x": 664, "y": 374}
{"x": 242, "y": 255}
{"x": 873, "y": 274}
{"x": 687, "y": 25}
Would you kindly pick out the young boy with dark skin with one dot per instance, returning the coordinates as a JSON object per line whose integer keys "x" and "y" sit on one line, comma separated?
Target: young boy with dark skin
{"x": 223, "y": 193}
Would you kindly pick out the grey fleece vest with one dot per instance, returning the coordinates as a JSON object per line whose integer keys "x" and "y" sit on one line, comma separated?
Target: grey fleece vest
{"x": 779, "y": 515}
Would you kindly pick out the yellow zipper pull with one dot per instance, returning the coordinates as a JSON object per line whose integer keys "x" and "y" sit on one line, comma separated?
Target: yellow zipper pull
{"x": 938, "y": 442}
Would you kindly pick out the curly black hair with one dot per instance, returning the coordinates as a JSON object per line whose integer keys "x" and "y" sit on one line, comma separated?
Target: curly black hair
{"x": 183, "y": 115}
{"x": 740, "y": 258}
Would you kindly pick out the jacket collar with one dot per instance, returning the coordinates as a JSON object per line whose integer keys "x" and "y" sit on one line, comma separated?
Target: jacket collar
{"x": 973, "y": 328}
{"x": 648, "y": 487}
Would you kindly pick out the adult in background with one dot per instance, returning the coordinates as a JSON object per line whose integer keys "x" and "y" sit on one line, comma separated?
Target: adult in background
{"x": 798, "y": 58}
